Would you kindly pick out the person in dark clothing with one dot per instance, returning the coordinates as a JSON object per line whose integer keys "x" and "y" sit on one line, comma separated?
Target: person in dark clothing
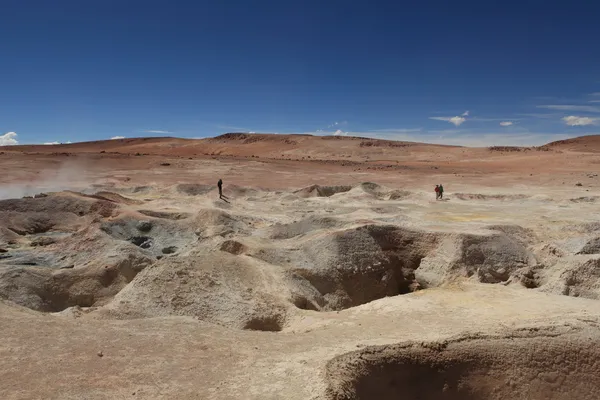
{"x": 441, "y": 192}
{"x": 437, "y": 192}
{"x": 220, "y": 185}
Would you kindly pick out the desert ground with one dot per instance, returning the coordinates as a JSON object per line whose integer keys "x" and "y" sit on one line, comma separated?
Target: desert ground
{"x": 329, "y": 271}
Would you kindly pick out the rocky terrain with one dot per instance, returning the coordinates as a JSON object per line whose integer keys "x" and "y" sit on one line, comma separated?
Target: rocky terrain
{"x": 325, "y": 273}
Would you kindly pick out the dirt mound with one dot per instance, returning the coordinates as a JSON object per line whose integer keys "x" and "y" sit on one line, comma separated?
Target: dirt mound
{"x": 399, "y": 194}
{"x": 35, "y": 223}
{"x": 64, "y": 202}
{"x": 211, "y": 222}
{"x": 7, "y": 236}
{"x": 577, "y": 278}
{"x": 381, "y": 192}
{"x": 194, "y": 189}
{"x": 57, "y": 212}
{"x": 373, "y": 189}
{"x": 216, "y": 287}
{"x": 322, "y": 191}
{"x": 488, "y": 258}
{"x": 471, "y": 369}
{"x": 492, "y": 258}
{"x": 592, "y": 246}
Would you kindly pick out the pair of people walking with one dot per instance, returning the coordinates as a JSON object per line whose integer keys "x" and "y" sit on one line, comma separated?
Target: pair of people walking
{"x": 439, "y": 192}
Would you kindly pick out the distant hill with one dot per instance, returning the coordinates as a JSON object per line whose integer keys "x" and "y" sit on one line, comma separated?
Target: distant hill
{"x": 292, "y": 147}
{"x": 590, "y": 143}
{"x": 257, "y": 145}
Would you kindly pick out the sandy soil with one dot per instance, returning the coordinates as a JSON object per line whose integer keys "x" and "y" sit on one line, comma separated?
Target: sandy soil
{"x": 330, "y": 273}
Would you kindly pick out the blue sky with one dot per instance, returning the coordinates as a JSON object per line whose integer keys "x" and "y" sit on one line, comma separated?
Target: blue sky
{"x": 461, "y": 72}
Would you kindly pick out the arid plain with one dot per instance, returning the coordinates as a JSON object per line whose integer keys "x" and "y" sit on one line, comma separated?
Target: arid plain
{"x": 330, "y": 271}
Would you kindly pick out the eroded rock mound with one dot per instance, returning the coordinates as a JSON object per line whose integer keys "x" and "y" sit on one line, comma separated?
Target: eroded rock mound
{"x": 57, "y": 256}
{"x": 322, "y": 191}
{"x": 399, "y": 194}
{"x": 211, "y": 222}
{"x": 592, "y": 246}
{"x": 354, "y": 266}
{"x": 578, "y": 278}
{"x": 493, "y": 258}
{"x": 60, "y": 211}
{"x": 217, "y": 287}
{"x": 51, "y": 290}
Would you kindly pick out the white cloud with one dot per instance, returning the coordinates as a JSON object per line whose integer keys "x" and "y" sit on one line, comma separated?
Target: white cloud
{"x": 465, "y": 114}
{"x": 569, "y": 107}
{"x": 457, "y": 121}
{"x": 55, "y": 143}
{"x": 594, "y": 101}
{"x": 340, "y": 132}
{"x": 9, "y": 139}
{"x": 595, "y": 94}
{"x": 117, "y": 137}
{"x": 573, "y": 120}
{"x": 506, "y": 123}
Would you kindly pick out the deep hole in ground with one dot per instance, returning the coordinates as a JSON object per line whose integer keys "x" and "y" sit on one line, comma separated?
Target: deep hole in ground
{"x": 51, "y": 290}
{"x": 513, "y": 368}
{"x": 145, "y": 242}
{"x": 264, "y": 323}
{"x": 169, "y": 250}
{"x": 357, "y": 266}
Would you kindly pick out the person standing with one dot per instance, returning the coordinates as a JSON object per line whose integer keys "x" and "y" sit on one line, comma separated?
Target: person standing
{"x": 437, "y": 192}
{"x": 220, "y": 185}
{"x": 441, "y": 192}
